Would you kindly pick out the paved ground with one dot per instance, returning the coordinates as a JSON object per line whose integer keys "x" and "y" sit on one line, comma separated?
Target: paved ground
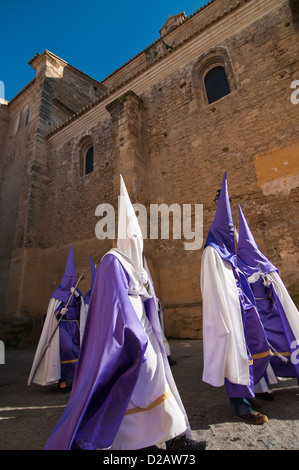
{"x": 29, "y": 414}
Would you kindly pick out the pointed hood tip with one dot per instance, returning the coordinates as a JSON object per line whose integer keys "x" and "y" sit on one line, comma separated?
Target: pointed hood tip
{"x": 70, "y": 264}
{"x": 129, "y": 239}
{"x": 68, "y": 280}
{"x": 250, "y": 258}
{"x": 122, "y": 183}
{"x": 221, "y": 233}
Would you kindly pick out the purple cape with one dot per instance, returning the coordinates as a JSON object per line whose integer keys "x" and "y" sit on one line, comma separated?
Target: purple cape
{"x": 221, "y": 238}
{"x": 258, "y": 348}
{"x": 111, "y": 354}
{"x": 273, "y": 317}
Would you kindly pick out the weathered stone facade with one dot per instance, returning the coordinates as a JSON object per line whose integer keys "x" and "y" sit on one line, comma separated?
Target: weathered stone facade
{"x": 150, "y": 121}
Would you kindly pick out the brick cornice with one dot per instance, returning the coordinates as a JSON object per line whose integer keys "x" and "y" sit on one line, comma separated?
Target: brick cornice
{"x": 185, "y": 51}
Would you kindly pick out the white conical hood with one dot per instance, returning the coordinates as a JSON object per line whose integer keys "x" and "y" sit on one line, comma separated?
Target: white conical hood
{"x": 129, "y": 237}
{"x": 130, "y": 243}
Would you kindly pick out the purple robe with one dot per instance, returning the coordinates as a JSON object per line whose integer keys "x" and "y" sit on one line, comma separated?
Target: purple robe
{"x": 258, "y": 348}
{"x": 277, "y": 328}
{"x": 221, "y": 238}
{"x": 272, "y": 314}
{"x": 69, "y": 336}
{"x": 69, "y": 326}
{"x": 109, "y": 363}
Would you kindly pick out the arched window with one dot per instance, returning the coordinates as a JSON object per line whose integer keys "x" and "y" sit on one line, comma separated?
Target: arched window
{"x": 88, "y": 167}
{"x": 216, "y": 84}
{"x": 23, "y": 119}
{"x": 17, "y": 123}
{"x": 212, "y": 76}
{"x": 84, "y": 151}
{"x": 26, "y": 116}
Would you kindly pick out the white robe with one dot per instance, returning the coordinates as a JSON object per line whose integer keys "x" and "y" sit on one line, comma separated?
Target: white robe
{"x": 224, "y": 346}
{"x": 155, "y": 413}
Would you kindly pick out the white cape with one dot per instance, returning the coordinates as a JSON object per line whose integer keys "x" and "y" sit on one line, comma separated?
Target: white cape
{"x": 224, "y": 346}
{"x": 46, "y": 367}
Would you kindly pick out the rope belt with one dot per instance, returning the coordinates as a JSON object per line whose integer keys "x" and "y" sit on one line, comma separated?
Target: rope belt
{"x": 155, "y": 403}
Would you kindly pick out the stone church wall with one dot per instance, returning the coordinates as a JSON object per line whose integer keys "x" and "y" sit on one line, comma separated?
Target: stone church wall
{"x": 152, "y": 123}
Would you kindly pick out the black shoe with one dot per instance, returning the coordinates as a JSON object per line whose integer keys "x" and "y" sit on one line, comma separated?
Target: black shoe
{"x": 171, "y": 361}
{"x": 63, "y": 389}
{"x": 183, "y": 443}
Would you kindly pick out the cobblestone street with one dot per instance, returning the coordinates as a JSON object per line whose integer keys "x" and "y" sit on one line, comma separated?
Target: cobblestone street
{"x": 29, "y": 414}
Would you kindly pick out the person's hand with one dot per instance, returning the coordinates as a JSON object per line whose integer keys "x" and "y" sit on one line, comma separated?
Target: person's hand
{"x": 73, "y": 291}
{"x": 143, "y": 277}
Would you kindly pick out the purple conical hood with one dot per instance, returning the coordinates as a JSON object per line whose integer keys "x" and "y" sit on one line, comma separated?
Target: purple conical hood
{"x": 69, "y": 279}
{"x": 221, "y": 233}
{"x": 249, "y": 257}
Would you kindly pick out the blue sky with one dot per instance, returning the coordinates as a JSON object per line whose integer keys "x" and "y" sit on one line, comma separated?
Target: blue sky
{"x": 97, "y": 37}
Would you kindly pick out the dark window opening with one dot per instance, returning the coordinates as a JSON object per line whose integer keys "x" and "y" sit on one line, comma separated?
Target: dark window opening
{"x": 26, "y": 120}
{"x": 89, "y": 161}
{"x": 216, "y": 84}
